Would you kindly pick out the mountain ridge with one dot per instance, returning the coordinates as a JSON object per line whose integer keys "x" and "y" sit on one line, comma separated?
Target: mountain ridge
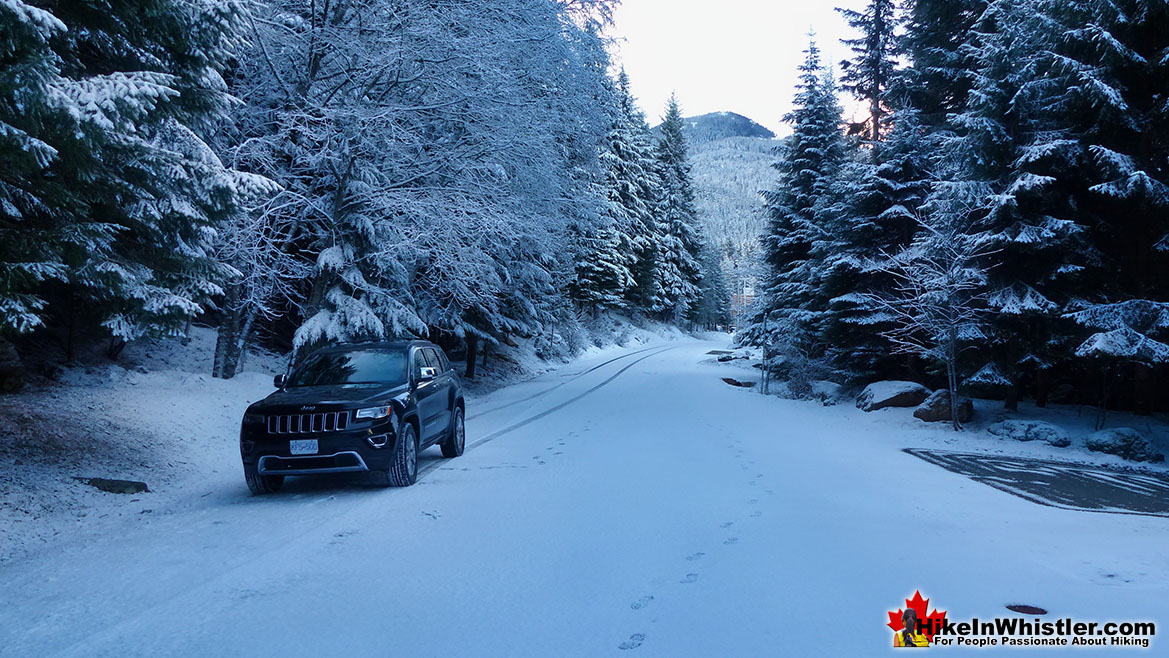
{"x": 720, "y": 125}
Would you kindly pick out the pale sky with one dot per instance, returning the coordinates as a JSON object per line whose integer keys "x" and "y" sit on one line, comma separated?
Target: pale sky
{"x": 734, "y": 55}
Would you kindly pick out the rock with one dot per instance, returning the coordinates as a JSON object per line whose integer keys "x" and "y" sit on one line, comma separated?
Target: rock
{"x": 879, "y": 395}
{"x": 726, "y": 358}
{"x": 734, "y": 382}
{"x": 936, "y": 408}
{"x": 1126, "y": 443}
{"x": 116, "y": 486}
{"x": 1031, "y": 430}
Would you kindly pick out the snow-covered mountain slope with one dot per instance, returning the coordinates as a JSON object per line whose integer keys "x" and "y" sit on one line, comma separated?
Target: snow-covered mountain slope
{"x": 732, "y": 161}
{"x": 721, "y": 125}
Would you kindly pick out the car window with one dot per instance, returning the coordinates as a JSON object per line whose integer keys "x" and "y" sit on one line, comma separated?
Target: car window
{"x": 419, "y": 361}
{"x": 446, "y": 365}
{"x": 355, "y": 367}
{"x": 432, "y": 359}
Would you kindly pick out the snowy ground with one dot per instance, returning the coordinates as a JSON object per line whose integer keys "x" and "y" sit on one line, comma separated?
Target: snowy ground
{"x": 628, "y": 503}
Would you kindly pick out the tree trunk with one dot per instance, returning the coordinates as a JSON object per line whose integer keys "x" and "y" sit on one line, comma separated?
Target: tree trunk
{"x": 117, "y": 344}
{"x": 1142, "y": 389}
{"x": 952, "y": 376}
{"x": 1012, "y": 401}
{"x": 227, "y": 335}
{"x": 472, "y": 354}
{"x": 1042, "y": 384}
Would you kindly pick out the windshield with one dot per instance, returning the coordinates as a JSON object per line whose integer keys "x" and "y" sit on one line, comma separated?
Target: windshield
{"x": 357, "y": 367}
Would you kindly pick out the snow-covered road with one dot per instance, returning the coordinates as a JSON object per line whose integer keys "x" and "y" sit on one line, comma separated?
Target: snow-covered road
{"x": 638, "y": 507}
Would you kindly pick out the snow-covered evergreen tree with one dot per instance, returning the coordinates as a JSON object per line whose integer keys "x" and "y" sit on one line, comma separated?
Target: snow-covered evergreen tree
{"x": 1110, "y": 67}
{"x": 1002, "y": 148}
{"x": 680, "y": 240}
{"x": 790, "y": 307}
{"x": 869, "y": 73}
{"x": 108, "y": 189}
{"x": 429, "y": 156}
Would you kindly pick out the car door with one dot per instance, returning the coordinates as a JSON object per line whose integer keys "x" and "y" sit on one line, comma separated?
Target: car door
{"x": 442, "y": 390}
{"x": 427, "y": 395}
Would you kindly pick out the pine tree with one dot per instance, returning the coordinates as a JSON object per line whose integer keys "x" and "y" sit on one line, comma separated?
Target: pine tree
{"x": 792, "y": 302}
{"x": 681, "y": 240}
{"x": 868, "y": 75}
{"x": 714, "y": 301}
{"x": 110, "y": 190}
{"x": 1107, "y": 79}
{"x": 871, "y": 213}
{"x": 640, "y": 193}
{"x": 1022, "y": 217}
{"x": 939, "y": 77}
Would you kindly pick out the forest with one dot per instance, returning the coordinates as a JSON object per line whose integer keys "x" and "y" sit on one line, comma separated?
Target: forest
{"x": 998, "y": 221}
{"x": 302, "y": 172}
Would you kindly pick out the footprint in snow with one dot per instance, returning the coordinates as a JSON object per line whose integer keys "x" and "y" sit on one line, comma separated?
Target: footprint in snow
{"x": 695, "y": 556}
{"x": 640, "y": 603}
{"x": 758, "y": 475}
{"x": 633, "y": 642}
{"x": 731, "y": 541}
{"x": 557, "y": 453}
{"x": 690, "y": 578}
{"x": 727, "y": 524}
{"x": 753, "y": 501}
{"x": 756, "y": 514}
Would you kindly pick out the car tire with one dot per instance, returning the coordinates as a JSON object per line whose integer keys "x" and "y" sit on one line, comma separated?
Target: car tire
{"x": 456, "y": 439}
{"x": 403, "y": 468}
{"x": 262, "y": 484}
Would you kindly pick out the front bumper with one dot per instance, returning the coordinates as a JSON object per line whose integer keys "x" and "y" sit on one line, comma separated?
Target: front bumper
{"x": 341, "y": 462}
{"x": 366, "y": 448}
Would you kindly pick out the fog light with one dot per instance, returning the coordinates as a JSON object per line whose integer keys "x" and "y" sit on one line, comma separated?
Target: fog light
{"x": 248, "y": 446}
{"x": 378, "y": 440}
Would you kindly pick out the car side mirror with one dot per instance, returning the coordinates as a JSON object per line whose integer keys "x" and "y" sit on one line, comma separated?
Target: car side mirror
{"x": 426, "y": 373}
{"x": 278, "y": 381}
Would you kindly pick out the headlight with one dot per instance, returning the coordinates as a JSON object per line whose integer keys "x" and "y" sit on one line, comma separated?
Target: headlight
{"x": 374, "y": 412}
{"x": 253, "y": 419}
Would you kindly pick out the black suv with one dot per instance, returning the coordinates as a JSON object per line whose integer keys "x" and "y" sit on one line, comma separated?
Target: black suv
{"x": 353, "y": 408}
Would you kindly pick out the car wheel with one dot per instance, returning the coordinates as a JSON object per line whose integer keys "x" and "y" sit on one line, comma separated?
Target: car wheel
{"x": 457, "y": 437}
{"x": 403, "y": 469}
{"x": 262, "y": 484}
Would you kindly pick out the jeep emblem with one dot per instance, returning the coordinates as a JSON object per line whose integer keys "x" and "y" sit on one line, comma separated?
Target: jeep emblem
{"x": 308, "y": 407}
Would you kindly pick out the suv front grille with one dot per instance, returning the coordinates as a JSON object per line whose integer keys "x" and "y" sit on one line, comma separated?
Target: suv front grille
{"x": 329, "y": 421}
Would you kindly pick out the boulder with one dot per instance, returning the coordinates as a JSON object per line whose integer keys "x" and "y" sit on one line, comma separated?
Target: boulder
{"x": 936, "y": 408}
{"x": 734, "y": 382}
{"x": 1126, "y": 443}
{"x": 1031, "y": 430}
{"x": 879, "y": 395}
{"x": 116, "y": 486}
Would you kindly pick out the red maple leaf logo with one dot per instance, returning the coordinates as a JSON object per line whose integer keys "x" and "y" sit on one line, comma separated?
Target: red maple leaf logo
{"x": 929, "y": 623}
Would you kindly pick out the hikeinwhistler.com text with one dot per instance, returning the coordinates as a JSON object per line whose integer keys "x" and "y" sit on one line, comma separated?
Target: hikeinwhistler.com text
{"x": 1023, "y": 632}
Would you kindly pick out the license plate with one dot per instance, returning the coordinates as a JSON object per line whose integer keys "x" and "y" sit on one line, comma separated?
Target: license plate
{"x": 303, "y": 446}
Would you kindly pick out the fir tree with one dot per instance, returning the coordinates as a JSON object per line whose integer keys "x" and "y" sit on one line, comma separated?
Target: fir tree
{"x": 110, "y": 190}
{"x": 868, "y": 74}
{"x": 639, "y": 191}
{"x": 681, "y": 240}
{"x": 792, "y": 303}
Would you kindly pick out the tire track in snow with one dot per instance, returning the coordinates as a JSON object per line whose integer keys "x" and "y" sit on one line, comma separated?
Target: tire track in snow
{"x": 531, "y": 419}
{"x": 553, "y": 388}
